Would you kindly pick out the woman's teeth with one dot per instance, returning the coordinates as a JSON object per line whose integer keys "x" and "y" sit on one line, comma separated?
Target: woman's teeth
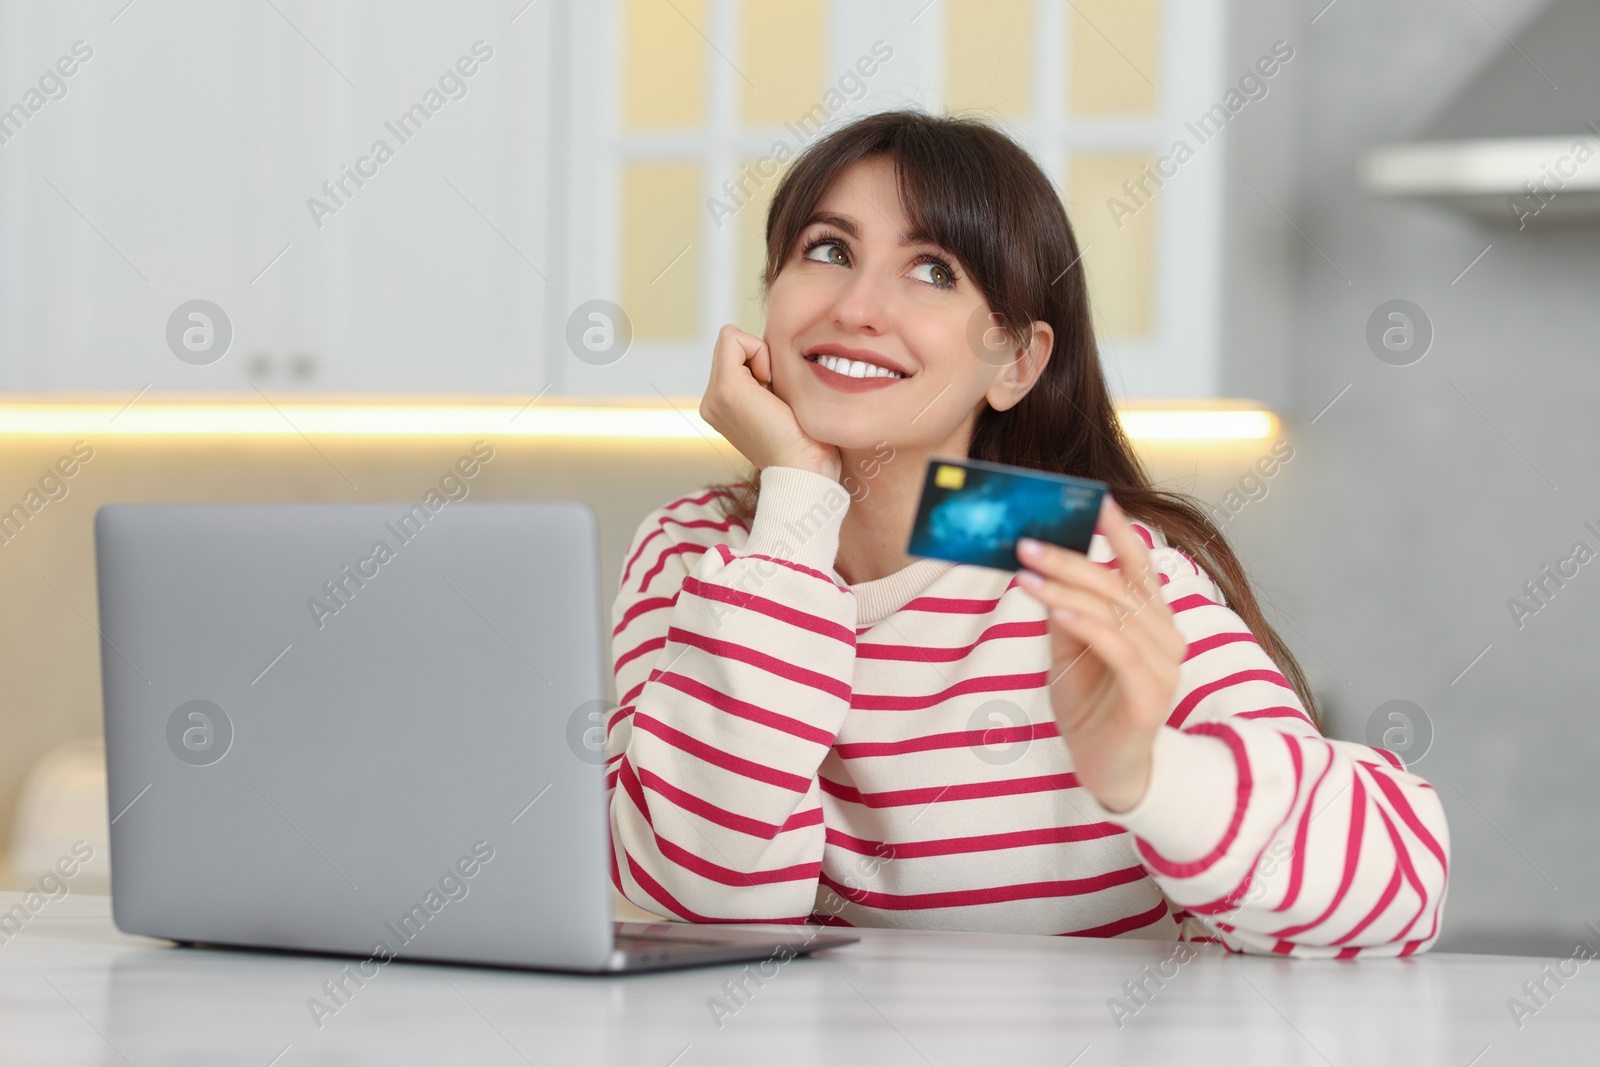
{"x": 854, "y": 368}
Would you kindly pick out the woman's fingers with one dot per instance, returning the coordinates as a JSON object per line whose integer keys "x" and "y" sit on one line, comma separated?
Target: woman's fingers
{"x": 1146, "y": 651}
{"x": 1119, "y": 652}
{"x": 1078, "y": 571}
{"x": 1122, "y": 596}
{"x": 736, "y": 359}
{"x": 1141, "y": 572}
{"x": 740, "y": 404}
{"x": 1133, "y": 556}
{"x": 1075, "y": 569}
{"x": 735, "y": 348}
{"x": 761, "y": 364}
{"x": 1149, "y": 644}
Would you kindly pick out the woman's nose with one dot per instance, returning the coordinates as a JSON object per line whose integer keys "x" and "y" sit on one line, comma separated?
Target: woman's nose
{"x": 862, "y": 302}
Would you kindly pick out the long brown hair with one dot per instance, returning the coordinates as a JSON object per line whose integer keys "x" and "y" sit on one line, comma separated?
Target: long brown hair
{"x": 974, "y": 191}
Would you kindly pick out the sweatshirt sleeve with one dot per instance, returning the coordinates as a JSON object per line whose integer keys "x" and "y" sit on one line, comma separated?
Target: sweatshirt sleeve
{"x": 1266, "y": 835}
{"x": 734, "y": 670}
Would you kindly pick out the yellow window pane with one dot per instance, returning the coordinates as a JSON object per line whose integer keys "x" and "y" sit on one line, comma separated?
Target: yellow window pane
{"x": 661, "y": 206}
{"x": 989, "y": 55}
{"x": 1114, "y": 62}
{"x": 759, "y": 179}
{"x": 1116, "y": 230}
{"x": 664, "y": 62}
{"x": 782, "y": 58}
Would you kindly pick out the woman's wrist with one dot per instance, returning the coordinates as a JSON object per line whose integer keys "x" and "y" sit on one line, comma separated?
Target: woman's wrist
{"x": 1130, "y": 785}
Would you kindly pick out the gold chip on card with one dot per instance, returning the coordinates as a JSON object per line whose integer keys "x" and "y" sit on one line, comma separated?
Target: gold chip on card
{"x": 948, "y": 477}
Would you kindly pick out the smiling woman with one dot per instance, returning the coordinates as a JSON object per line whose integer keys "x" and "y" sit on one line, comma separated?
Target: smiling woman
{"x": 797, "y": 692}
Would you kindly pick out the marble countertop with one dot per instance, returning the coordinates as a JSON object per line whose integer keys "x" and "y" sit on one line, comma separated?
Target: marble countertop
{"x": 75, "y": 991}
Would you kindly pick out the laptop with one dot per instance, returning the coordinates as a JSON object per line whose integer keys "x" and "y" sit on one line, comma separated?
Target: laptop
{"x": 371, "y": 730}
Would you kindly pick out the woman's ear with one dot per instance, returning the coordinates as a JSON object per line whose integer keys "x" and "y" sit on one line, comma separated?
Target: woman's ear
{"x": 1019, "y": 376}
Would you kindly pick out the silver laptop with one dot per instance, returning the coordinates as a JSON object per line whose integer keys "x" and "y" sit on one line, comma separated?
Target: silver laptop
{"x": 370, "y": 730}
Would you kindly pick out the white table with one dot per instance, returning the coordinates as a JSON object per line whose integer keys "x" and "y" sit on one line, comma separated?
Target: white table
{"x": 75, "y": 991}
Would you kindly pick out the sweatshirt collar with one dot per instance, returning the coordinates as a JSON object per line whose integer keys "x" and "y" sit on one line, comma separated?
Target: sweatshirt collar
{"x": 878, "y": 599}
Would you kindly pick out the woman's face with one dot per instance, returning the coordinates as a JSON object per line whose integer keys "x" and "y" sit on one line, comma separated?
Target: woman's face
{"x": 861, "y": 287}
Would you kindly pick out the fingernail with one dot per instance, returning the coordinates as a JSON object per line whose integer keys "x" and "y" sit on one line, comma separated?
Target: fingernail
{"x": 1027, "y": 546}
{"x": 1030, "y": 580}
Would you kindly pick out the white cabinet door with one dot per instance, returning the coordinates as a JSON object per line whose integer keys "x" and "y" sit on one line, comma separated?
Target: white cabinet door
{"x": 359, "y": 187}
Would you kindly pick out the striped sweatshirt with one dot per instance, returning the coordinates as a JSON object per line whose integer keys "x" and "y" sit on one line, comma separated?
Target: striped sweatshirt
{"x": 788, "y": 747}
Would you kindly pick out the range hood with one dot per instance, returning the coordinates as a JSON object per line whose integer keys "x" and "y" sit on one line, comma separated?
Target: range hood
{"x": 1520, "y": 145}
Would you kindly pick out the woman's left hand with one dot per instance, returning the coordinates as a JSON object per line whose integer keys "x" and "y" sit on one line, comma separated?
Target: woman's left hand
{"x": 1115, "y": 656}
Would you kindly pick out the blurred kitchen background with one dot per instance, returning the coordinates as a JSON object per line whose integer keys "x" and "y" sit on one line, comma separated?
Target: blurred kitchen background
{"x": 1376, "y": 247}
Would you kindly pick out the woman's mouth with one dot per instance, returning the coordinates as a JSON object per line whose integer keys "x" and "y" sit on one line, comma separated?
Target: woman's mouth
{"x": 851, "y": 375}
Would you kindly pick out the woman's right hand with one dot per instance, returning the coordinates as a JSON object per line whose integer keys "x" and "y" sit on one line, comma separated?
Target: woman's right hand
{"x": 756, "y": 421}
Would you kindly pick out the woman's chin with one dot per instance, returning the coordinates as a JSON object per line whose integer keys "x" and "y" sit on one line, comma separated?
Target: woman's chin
{"x": 842, "y": 433}
{"x": 868, "y": 430}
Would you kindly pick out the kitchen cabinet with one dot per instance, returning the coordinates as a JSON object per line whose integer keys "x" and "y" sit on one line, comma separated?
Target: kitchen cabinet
{"x": 367, "y": 216}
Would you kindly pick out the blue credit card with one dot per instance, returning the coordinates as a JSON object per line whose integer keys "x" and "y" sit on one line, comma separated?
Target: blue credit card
{"x": 973, "y": 511}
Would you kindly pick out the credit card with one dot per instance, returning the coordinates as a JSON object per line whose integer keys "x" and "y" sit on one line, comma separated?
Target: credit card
{"x": 973, "y": 511}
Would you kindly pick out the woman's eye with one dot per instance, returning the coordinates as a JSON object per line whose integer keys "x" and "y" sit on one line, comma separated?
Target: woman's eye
{"x": 936, "y": 274}
{"x": 828, "y": 252}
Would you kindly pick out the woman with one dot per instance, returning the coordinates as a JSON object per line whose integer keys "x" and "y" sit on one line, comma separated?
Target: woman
{"x": 814, "y": 726}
